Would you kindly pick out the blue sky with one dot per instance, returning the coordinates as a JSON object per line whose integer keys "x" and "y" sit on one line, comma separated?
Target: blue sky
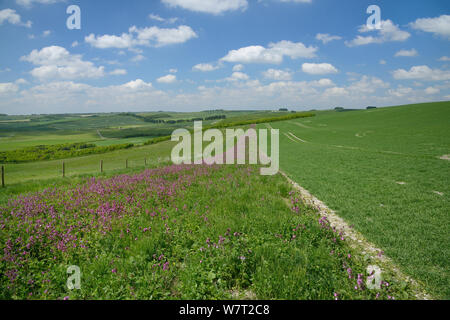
{"x": 184, "y": 55}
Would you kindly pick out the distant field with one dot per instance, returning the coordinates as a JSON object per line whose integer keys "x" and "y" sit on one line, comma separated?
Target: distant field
{"x": 380, "y": 170}
{"x": 103, "y": 129}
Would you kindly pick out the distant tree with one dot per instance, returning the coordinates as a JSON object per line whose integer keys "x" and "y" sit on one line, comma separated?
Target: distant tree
{"x": 371, "y": 107}
{"x": 283, "y": 109}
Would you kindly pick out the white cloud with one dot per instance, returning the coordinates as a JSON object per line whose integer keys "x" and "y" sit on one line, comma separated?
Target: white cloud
{"x": 46, "y": 33}
{"x": 325, "y": 37}
{"x": 8, "y": 88}
{"x": 139, "y": 95}
{"x": 432, "y": 90}
{"x": 388, "y": 32}
{"x": 335, "y": 91}
{"x": 118, "y": 72}
{"x": 173, "y": 70}
{"x": 367, "y": 85}
{"x": 444, "y": 58}
{"x": 383, "y": 62}
{"x": 204, "y": 67}
{"x": 401, "y": 91}
{"x": 57, "y": 63}
{"x": 151, "y": 36}
{"x": 274, "y": 54}
{"x": 137, "y": 84}
{"x": 21, "y": 81}
{"x": 75, "y": 44}
{"x": 318, "y": 68}
{"x": 110, "y": 41}
{"x": 159, "y": 37}
{"x": 170, "y": 78}
{"x": 208, "y": 6}
{"x": 277, "y": 75}
{"x": 238, "y": 67}
{"x": 161, "y": 19}
{"x": 438, "y": 26}
{"x": 10, "y": 16}
{"x": 322, "y": 83}
{"x": 29, "y": 3}
{"x": 407, "y": 53}
{"x": 238, "y": 76}
{"x": 421, "y": 73}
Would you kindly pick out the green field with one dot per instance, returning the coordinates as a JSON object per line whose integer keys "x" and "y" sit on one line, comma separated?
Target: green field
{"x": 104, "y": 128}
{"x": 381, "y": 171}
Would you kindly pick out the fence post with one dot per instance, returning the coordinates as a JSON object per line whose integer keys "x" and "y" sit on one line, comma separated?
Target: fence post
{"x": 63, "y": 169}
{"x": 3, "y": 176}
{"x": 126, "y": 163}
{"x": 145, "y": 162}
{"x": 101, "y": 166}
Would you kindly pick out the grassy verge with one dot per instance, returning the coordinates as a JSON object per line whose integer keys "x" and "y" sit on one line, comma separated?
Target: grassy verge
{"x": 185, "y": 232}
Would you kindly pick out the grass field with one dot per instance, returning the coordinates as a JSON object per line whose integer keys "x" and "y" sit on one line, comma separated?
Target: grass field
{"x": 23, "y": 172}
{"x": 104, "y": 128}
{"x": 178, "y": 232}
{"x": 380, "y": 170}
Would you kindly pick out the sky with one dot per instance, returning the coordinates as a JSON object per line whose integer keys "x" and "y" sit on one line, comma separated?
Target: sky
{"x": 192, "y": 55}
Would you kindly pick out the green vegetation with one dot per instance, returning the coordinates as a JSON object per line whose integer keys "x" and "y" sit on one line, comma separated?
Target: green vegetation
{"x": 20, "y": 174}
{"x": 380, "y": 169}
{"x": 59, "y": 151}
{"x": 178, "y": 232}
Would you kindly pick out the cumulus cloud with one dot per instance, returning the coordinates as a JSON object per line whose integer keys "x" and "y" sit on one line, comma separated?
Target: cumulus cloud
{"x": 275, "y": 74}
{"x": 421, "y": 73}
{"x": 170, "y": 78}
{"x": 439, "y": 26}
{"x": 137, "y": 84}
{"x": 204, "y": 67}
{"x": 407, "y": 53}
{"x": 318, "y": 68}
{"x": 57, "y": 63}
{"x": 444, "y": 58}
{"x": 388, "y": 32}
{"x": 238, "y": 76}
{"x": 208, "y": 6}
{"x": 10, "y": 16}
{"x": 151, "y": 36}
{"x": 274, "y": 54}
{"x": 325, "y": 37}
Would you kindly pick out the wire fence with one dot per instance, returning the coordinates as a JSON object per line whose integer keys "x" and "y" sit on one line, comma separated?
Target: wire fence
{"x": 63, "y": 170}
